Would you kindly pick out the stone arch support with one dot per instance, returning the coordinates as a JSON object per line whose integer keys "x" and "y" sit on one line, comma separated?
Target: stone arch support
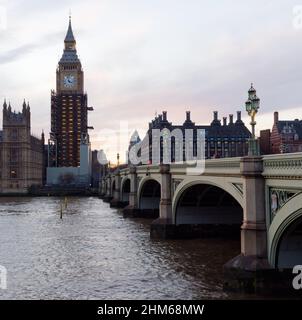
{"x": 113, "y": 186}
{"x": 221, "y": 183}
{"x": 125, "y": 195}
{"x": 123, "y": 180}
{"x": 142, "y": 183}
{"x": 287, "y": 215}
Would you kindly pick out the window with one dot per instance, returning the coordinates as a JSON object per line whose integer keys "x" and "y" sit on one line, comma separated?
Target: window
{"x": 14, "y": 134}
{"x": 13, "y": 173}
{"x": 13, "y": 155}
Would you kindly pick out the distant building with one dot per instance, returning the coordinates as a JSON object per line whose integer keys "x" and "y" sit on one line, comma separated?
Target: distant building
{"x": 265, "y": 141}
{"x": 97, "y": 169}
{"x": 21, "y": 154}
{"x": 285, "y": 137}
{"x": 226, "y": 139}
{"x": 133, "y": 141}
{"x": 73, "y": 176}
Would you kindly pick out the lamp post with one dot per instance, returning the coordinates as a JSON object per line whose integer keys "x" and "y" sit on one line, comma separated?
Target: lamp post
{"x": 252, "y": 105}
{"x": 118, "y": 159}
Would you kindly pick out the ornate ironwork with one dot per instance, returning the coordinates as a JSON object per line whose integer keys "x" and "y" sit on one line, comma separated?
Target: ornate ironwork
{"x": 175, "y": 184}
{"x": 278, "y": 198}
{"x": 238, "y": 187}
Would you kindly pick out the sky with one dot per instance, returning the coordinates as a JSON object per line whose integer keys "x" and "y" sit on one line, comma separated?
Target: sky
{"x": 141, "y": 57}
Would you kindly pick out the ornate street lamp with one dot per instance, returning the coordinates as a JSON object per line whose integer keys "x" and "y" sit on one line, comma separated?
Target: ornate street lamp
{"x": 252, "y": 105}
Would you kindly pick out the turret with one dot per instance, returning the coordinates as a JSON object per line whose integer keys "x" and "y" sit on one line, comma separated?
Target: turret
{"x": 24, "y": 107}
{"x": 4, "y": 110}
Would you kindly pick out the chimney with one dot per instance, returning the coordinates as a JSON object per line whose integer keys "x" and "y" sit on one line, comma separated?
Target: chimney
{"x": 276, "y": 117}
{"x": 231, "y": 119}
{"x": 224, "y": 121}
{"x": 160, "y": 118}
{"x": 164, "y": 115}
{"x": 238, "y": 115}
{"x": 215, "y": 115}
{"x": 188, "y": 116}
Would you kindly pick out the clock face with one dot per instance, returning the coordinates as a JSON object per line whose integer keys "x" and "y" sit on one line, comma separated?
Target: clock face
{"x": 69, "y": 81}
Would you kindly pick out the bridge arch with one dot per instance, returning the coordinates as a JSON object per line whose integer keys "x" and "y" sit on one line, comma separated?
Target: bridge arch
{"x": 204, "y": 201}
{"x": 125, "y": 189}
{"x": 149, "y": 194}
{"x": 285, "y": 235}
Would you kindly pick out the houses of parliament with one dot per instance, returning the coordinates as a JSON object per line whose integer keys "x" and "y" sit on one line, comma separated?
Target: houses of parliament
{"x": 24, "y": 157}
{"x": 21, "y": 154}
{"x": 69, "y": 109}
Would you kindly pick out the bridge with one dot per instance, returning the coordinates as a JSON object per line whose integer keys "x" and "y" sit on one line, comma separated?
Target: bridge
{"x": 256, "y": 198}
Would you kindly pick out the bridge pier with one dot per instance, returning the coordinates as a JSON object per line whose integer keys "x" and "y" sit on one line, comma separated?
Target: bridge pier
{"x": 108, "y": 196}
{"x": 116, "y": 202}
{"x": 132, "y": 209}
{"x": 102, "y": 190}
{"x": 247, "y": 183}
{"x": 163, "y": 227}
{"x": 249, "y": 270}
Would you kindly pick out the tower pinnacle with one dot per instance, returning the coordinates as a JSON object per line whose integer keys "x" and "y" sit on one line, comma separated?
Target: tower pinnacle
{"x": 70, "y": 51}
{"x": 69, "y": 35}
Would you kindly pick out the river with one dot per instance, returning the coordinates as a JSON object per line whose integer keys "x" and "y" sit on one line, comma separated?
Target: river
{"x": 94, "y": 253}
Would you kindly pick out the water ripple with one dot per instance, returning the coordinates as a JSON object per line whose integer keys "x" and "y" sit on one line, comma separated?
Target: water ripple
{"x": 93, "y": 253}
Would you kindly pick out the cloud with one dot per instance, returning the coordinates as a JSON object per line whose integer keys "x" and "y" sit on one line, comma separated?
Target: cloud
{"x": 16, "y": 53}
{"x": 141, "y": 57}
{"x": 20, "y": 52}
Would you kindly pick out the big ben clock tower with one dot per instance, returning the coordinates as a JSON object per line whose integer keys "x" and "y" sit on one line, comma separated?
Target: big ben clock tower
{"x": 68, "y": 107}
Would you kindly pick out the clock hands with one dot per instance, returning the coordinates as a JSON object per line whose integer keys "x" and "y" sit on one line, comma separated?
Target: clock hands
{"x": 69, "y": 81}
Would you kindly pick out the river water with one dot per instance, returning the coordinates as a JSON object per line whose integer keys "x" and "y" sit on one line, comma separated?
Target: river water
{"x": 94, "y": 253}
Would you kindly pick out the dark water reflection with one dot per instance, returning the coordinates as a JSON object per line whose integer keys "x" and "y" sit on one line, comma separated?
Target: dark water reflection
{"x": 94, "y": 253}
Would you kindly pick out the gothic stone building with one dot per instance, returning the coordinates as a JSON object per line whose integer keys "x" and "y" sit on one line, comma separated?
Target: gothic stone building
{"x": 21, "y": 154}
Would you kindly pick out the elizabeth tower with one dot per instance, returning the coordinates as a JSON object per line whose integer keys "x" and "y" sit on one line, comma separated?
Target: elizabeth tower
{"x": 69, "y": 123}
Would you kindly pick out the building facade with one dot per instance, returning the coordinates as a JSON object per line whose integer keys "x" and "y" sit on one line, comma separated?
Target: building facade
{"x": 69, "y": 109}
{"x": 229, "y": 139}
{"x": 21, "y": 154}
{"x": 134, "y": 140}
{"x": 285, "y": 137}
{"x": 222, "y": 140}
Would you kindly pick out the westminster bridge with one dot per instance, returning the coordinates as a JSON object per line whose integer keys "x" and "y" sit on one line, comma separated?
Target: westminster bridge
{"x": 257, "y": 197}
